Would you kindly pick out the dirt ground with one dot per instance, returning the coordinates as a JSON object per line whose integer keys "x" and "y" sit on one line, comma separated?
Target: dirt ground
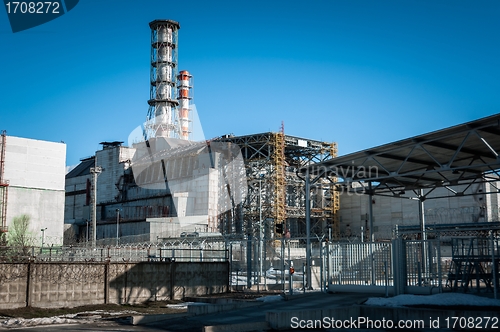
{"x": 104, "y": 310}
{"x": 117, "y": 311}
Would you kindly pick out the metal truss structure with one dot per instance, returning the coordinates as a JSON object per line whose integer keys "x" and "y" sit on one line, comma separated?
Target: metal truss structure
{"x": 448, "y": 231}
{"x": 458, "y": 158}
{"x": 276, "y": 193}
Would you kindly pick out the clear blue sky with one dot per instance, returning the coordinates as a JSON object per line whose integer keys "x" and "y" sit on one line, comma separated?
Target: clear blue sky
{"x": 360, "y": 73}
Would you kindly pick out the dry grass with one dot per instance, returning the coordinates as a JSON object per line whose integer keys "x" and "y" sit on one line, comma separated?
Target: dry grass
{"x": 104, "y": 310}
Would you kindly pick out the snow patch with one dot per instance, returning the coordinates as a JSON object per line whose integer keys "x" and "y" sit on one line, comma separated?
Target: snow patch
{"x": 78, "y": 318}
{"x": 184, "y": 305}
{"x": 270, "y": 298}
{"x": 21, "y": 322}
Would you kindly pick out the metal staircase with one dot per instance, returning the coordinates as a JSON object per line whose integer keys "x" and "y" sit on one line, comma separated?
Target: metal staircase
{"x": 474, "y": 266}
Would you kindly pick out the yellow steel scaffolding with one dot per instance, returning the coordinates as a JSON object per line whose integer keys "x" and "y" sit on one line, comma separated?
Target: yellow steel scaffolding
{"x": 278, "y": 159}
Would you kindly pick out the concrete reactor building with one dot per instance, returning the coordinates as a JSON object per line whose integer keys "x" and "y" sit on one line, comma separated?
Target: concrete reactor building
{"x": 165, "y": 184}
{"x": 32, "y": 183}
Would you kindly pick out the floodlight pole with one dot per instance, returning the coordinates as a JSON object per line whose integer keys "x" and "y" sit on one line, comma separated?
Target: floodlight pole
{"x": 421, "y": 210}
{"x": 117, "y": 227}
{"x": 372, "y": 238}
{"x": 95, "y": 171}
{"x": 370, "y": 211}
{"x": 308, "y": 229}
{"x": 43, "y": 236}
{"x": 261, "y": 236}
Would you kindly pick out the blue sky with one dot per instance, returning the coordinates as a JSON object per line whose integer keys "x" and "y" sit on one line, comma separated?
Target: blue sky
{"x": 360, "y": 73}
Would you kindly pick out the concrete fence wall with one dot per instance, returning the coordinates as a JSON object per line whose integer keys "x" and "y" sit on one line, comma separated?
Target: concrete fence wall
{"x": 53, "y": 284}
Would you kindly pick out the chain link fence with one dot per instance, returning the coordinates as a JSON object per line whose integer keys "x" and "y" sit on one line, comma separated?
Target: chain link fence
{"x": 180, "y": 250}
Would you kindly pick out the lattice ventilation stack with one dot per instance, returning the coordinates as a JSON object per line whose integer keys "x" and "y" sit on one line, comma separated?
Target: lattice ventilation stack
{"x": 161, "y": 119}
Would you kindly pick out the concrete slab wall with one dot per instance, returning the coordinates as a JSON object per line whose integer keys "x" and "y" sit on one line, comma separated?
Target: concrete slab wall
{"x": 114, "y": 161}
{"x": 76, "y": 209}
{"x": 138, "y": 283}
{"x": 56, "y": 285}
{"x": 108, "y": 231}
{"x": 13, "y": 285}
{"x": 152, "y": 229}
{"x": 173, "y": 227}
{"x": 391, "y": 211}
{"x": 206, "y": 278}
{"x": 112, "y": 170}
{"x": 35, "y": 172}
{"x": 35, "y": 164}
{"x": 45, "y": 208}
{"x": 52, "y": 285}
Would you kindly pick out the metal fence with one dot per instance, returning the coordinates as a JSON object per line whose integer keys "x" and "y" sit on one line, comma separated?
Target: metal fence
{"x": 267, "y": 263}
{"x": 362, "y": 263}
{"x": 469, "y": 264}
{"x": 466, "y": 264}
{"x": 161, "y": 252}
{"x": 424, "y": 266}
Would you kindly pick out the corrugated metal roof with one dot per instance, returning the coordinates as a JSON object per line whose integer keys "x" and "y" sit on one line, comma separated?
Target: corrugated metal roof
{"x": 82, "y": 168}
{"x": 456, "y": 155}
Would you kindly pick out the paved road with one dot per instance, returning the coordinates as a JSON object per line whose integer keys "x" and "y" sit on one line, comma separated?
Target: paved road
{"x": 195, "y": 323}
{"x": 101, "y": 326}
{"x": 258, "y": 313}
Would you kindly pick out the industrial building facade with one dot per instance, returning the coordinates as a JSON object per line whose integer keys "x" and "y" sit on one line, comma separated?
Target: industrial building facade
{"x": 230, "y": 185}
{"x": 32, "y": 183}
{"x": 392, "y": 213}
{"x": 164, "y": 184}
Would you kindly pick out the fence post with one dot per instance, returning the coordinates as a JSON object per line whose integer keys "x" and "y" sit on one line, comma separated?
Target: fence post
{"x": 172, "y": 279}
{"x": 494, "y": 267}
{"x": 229, "y": 258}
{"x": 283, "y": 263}
{"x": 440, "y": 274}
{"x": 303, "y": 277}
{"x": 249, "y": 261}
{"x": 321, "y": 267}
{"x": 386, "y": 280}
{"x": 399, "y": 265}
{"x": 106, "y": 282}
{"x": 29, "y": 284}
{"x": 328, "y": 264}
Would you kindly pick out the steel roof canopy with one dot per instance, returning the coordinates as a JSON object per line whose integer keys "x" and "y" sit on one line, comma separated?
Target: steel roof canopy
{"x": 459, "y": 155}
